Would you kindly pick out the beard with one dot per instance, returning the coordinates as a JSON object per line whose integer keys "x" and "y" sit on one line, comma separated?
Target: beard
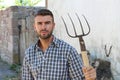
{"x": 45, "y": 36}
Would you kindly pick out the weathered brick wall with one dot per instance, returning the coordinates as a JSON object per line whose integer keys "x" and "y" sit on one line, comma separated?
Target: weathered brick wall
{"x": 16, "y": 32}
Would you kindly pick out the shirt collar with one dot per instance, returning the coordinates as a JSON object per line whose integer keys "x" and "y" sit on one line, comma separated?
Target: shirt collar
{"x": 55, "y": 42}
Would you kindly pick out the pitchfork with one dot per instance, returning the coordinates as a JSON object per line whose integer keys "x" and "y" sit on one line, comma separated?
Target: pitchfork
{"x": 84, "y": 52}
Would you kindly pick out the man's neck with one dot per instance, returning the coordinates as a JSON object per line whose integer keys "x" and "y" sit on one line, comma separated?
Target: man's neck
{"x": 44, "y": 43}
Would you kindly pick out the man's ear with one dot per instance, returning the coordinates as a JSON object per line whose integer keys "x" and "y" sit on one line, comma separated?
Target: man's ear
{"x": 54, "y": 25}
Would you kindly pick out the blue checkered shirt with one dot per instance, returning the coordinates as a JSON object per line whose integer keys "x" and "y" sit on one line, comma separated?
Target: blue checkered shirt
{"x": 59, "y": 62}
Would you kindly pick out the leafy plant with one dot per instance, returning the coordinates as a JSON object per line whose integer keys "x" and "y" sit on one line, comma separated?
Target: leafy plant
{"x": 1, "y": 4}
{"x": 20, "y": 3}
{"x": 26, "y": 2}
{"x": 17, "y": 69}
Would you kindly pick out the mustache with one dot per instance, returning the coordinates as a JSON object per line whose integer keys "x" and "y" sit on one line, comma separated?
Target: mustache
{"x": 45, "y": 30}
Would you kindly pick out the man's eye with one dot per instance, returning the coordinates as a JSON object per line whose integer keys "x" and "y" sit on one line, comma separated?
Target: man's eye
{"x": 39, "y": 23}
{"x": 47, "y": 23}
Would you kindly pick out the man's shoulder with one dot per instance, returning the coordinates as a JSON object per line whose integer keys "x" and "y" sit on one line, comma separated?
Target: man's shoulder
{"x": 30, "y": 49}
{"x": 65, "y": 46}
{"x": 64, "y": 43}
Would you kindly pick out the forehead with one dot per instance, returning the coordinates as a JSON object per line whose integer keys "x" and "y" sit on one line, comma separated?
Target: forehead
{"x": 43, "y": 18}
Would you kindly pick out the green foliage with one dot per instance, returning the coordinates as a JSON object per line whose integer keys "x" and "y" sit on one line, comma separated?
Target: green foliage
{"x": 1, "y": 4}
{"x": 16, "y": 68}
{"x": 26, "y": 2}
{"x": 2, "y": 7}
{"x": 20, "y": 3}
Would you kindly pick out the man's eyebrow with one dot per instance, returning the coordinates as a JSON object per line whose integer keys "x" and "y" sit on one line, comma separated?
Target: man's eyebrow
{"x": 47, "y": 21}
{"x": 44, "y": 22}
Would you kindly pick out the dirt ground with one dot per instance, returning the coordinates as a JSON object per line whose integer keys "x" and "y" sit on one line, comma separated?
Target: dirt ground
{"x": 5, "y": 72}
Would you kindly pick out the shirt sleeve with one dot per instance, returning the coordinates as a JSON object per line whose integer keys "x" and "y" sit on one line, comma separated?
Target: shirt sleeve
{"x": 26, "y": 74}
{"x": 75, "y": 65}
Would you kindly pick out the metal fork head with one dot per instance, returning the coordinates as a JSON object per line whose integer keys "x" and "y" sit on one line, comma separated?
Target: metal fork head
{"x": 81, "y": 26}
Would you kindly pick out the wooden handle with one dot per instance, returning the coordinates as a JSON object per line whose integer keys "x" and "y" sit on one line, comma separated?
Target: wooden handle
{"x": 85, "y": 58}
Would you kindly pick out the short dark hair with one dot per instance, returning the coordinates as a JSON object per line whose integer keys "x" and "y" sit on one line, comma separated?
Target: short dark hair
{"x": 44, "y": 12}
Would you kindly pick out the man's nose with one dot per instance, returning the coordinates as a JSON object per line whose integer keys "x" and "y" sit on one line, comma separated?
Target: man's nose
{"x": 43, "y": 26}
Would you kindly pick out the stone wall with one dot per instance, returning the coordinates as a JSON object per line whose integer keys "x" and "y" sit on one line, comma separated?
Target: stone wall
{"x": 16, "y": 32}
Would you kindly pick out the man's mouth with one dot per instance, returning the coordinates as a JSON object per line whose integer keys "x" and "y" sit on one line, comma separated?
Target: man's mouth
{"x": 44, "y": 32}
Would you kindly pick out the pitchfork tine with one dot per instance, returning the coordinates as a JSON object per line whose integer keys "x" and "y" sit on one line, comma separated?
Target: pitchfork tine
{"x": 66, "y": 28}
{"x": 73, "y": 25}
{"x": 80, "y": 23}
{"x": 87, "y": 24}
{"x": 83, "y": 34}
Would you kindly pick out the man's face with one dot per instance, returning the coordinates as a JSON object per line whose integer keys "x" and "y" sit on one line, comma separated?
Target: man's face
{"x": 44, "y": 26}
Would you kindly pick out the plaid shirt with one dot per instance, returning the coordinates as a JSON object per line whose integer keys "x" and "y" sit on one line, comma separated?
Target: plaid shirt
{"x": 59, "y": 62}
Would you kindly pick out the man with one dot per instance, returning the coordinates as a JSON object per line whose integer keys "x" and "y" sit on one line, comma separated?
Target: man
{"x": 51, "y": 58}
